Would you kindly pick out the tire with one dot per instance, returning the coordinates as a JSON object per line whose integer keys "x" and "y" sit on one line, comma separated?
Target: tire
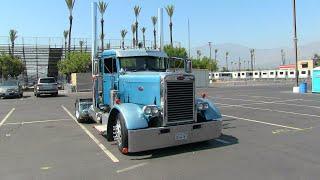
{"x": 121, "y": 134}
{"x": 21, "y": 95}
{"x": 55, "y": 94}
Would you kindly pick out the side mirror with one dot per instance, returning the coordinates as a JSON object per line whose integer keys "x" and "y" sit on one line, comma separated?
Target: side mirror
{"x": 188, "y": 66}
{"x": 122, "y": 71}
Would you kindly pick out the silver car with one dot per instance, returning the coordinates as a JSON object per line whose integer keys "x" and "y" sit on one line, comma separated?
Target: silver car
{"x": 11, "y": 88}
{"x": 46, "y": 86}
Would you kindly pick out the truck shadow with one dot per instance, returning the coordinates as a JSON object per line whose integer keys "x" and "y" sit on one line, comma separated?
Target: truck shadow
{"x": 223, "y": 141}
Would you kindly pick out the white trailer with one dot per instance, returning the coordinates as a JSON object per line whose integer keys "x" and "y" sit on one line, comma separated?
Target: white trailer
{"x": 256, "y": 74}
{"x": 272, "y": 74}
{"x": 264, "y": 74}
{"x": 282, "y": 74}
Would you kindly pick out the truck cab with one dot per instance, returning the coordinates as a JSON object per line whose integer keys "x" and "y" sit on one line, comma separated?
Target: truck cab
{"x": 146, "y": 100}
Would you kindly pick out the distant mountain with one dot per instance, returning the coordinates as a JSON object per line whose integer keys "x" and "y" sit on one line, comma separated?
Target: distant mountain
{"x": 265, "y": 58}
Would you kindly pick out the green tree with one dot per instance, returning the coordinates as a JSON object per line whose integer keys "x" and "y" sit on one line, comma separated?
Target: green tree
{"x": 175, "y": 51}
{"x": 70, "y": 5}
{"x": 123, "y": 33}
{"x": 10, "y": 66}
{"x": 154, "y": 20}
{"x": 13, "y": 36}
{"x": 102, "y": 9}
{"x": 137, "y": 10}
{"x": 170, "y": 11}
{"x": 143, "y": 30}
{"x": 204, "y": 63}
{"x": 76, "y": 62}
{"x": 316, "y": 59}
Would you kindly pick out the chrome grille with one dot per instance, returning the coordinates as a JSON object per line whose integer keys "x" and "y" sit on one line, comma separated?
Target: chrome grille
{"x": 180, "y": 101}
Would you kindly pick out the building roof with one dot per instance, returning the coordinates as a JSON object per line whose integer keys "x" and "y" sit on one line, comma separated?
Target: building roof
{"x": 134, "y": 52}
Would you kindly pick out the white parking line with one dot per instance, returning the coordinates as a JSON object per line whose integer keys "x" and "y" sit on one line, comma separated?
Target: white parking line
{"x": 265, "y": 109}
{"x": 7, "y": 116}
{"x": 101, "y": 146}
{"x": 255, "y": 101}
{"x": 132, "y": 167}
{"x": 262, "y": 122}
{"x": 33, "y": 122}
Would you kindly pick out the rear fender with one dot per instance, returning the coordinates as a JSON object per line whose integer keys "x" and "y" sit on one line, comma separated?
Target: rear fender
{"x": 212, "y": 113}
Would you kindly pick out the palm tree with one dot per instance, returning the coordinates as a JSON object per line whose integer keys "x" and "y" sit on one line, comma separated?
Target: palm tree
{"x": 133, "y": 29}
{"x": 137, "y": 10}
{"x": 215, "y": 55}
{"x": 170, "y": 11}
{"x": 143, "y": 30}
{"x": 199, "y": 54}
{"x": 13, "y": 36}
{"x": 154, "y": 22}
{"x": 227, "y": 55}
{"x": 123, "y": 33}
{"x": 102, "y": 9}
{"x": 81, "y": 45}
{"x": 70, "y": 5}
{"x": 65, "y": 35}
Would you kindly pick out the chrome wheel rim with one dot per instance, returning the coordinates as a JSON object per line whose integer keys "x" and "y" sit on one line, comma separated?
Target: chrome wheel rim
{"x": 118, "y": 133}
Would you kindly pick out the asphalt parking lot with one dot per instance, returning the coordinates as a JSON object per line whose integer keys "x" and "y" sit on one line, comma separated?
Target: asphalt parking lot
{"x": 269, "y": 133}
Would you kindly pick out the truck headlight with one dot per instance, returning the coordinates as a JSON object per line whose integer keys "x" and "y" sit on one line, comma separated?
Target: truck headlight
{"x": 202, "y": 106}
{"x": 151, "y": 110}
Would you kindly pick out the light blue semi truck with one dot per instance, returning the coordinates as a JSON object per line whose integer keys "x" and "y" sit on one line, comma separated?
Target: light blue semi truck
{"x": 147, "y": 103}
{"x": 145, "y": 100}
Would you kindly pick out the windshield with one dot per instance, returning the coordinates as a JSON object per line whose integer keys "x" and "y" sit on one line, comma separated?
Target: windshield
{"x": 8, "y": 83}
{"x": 145, "y": 63}
{"x": 47, "y": 80}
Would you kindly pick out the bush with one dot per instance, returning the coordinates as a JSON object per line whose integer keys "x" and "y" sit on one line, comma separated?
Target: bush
{"x": 10, "y": 66}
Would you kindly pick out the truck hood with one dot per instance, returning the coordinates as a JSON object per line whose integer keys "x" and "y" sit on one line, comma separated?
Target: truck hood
{"x": 141, "y": 88}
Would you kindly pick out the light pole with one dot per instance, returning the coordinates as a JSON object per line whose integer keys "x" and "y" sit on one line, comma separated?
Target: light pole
{"x": 210, "y": 51}
{"x": 295, "y": 40}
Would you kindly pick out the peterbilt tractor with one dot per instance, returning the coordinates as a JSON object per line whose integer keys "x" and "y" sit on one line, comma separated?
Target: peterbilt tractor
{"x": 146, "y": 100}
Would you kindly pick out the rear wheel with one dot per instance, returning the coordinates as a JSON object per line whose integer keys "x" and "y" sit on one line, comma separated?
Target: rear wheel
{"x": 121, "y": 134}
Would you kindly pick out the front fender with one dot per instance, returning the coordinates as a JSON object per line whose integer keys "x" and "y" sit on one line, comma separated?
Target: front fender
{"x": 212, "y": 113}
{"x": 133, "y": 116}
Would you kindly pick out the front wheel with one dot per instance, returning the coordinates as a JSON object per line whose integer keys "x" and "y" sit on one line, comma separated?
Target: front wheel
{"x": 121, "y": 134}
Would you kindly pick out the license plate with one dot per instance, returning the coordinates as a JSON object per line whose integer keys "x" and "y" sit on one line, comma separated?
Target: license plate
{"x": 181, "y": 136}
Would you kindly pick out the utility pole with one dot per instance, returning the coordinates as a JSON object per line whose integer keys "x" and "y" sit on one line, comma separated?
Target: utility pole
{"x": 295, "y": 40}
{"x": 189, "y": 37}
{"x": 252, "y": 58}
{"x": 283, "y": 57}
{"x": 239, "y": 64}
{"x": 210, "y": 51}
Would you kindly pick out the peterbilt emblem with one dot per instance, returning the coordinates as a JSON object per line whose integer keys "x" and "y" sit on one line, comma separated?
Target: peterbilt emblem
{"x": 140, "y": 88}
{"x": 180, "y": 78}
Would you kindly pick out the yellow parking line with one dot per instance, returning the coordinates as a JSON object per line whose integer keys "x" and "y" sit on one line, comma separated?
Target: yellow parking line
{"x": 101, "y": 146}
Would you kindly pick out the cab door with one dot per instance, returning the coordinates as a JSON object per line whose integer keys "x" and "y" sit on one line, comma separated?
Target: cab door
{"x": 110, "y": 76}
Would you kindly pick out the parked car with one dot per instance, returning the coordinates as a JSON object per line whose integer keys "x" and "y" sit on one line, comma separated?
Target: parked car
{"x": 46, "y": 86}
{"x": 11, "y": 88}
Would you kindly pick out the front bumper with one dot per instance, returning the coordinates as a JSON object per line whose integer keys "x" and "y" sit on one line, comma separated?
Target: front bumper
{"x": 155, "y": 138}
{"x": 9, "y": 94}
{"x": 47, "y": 91}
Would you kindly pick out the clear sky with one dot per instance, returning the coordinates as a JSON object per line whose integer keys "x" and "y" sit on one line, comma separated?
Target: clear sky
{"x": 253, "y": 23}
